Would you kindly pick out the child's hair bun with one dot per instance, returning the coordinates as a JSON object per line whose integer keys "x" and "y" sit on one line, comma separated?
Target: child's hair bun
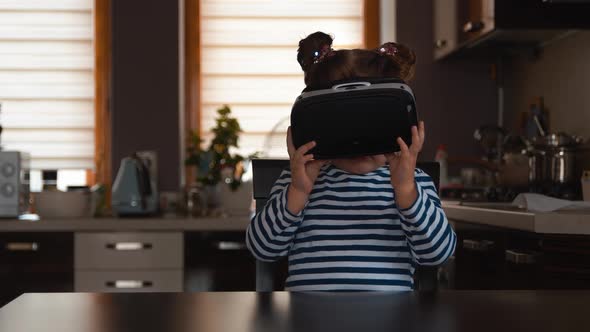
{"x": 312, "y": 47}
{"x": 402, "y": 55}
{"x": 322, "y": 66}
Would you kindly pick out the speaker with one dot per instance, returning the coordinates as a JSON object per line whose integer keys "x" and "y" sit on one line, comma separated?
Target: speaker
{"x": 14, "y": 183}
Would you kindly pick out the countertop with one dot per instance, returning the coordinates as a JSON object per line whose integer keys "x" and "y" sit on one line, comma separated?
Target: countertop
{"x": 201, "y": 224}
{"x": 459, "y": 311}
{"x": 502, "y": 215}
{"x": 562, "y": 222}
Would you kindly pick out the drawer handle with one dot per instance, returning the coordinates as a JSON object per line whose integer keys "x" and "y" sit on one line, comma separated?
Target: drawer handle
{"x": 473, "y": 26}
{"x": 129, "y": 246}
{"x": 22, "y": 246}
{"x": 229, "y": 245}
{"x": 440, "y": 43}
{"x": 518, "y": 257}
{"x": 483, "y": 245}
{"x": 129, "y": 284}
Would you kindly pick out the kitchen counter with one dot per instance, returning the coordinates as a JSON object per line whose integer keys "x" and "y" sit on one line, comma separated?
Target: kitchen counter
{"x": 282, "y": 311}
{"x": 229, "y": 224}
{"x": 505, "y": 216}
{"x": 498, "y": 215}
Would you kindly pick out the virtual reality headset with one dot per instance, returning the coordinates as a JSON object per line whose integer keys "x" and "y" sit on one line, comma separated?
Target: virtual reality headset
{"x": 354, "y": 118}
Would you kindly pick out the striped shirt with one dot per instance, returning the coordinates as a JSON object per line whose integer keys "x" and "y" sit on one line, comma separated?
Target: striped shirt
{"x": 351, "y": 235}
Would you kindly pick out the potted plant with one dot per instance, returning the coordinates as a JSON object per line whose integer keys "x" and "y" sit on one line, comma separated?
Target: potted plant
{"x": 216, "y": 165}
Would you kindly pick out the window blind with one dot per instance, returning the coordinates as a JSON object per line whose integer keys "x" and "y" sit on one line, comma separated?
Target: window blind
{"x": 248, "y": 61}
{"x": 46, "y": 81}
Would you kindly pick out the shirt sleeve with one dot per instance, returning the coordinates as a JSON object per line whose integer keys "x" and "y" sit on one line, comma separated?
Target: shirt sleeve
{"x": 430, "y": 236}
{"x": 272, "y": 230}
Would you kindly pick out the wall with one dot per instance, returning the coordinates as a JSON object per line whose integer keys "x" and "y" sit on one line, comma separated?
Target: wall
{"x": 145, "y": 95}
{"x": 562, "y": 76}
{"x": 387, "y": 20}
{"x": 455, "y": 96}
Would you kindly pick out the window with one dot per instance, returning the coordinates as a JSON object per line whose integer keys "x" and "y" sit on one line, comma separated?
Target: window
{"x": 47, "y": 84}
{"x": 248, "y": 60}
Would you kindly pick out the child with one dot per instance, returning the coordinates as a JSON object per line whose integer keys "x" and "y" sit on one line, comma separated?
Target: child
{"x": 359, "y": 223}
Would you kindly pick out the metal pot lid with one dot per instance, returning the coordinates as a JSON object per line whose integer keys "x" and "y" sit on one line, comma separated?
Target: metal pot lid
{"x": 561, "y": 149}
{"x": 554, "y": 140}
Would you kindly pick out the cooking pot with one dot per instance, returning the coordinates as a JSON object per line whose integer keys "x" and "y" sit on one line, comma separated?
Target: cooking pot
{"x": 561, "y": 165}
{"x": 537, "y": 166}
{"x": 552, "y": 158}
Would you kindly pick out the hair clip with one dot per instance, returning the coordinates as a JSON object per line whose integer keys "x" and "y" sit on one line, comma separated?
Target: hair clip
{"x": 389, "y": 49}
{"x": 326, "y": 51}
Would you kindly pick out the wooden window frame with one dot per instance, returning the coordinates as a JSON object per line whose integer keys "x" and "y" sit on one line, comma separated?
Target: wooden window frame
{"x": 102, "y": 85}
{"x": 192, "y": 75}
{"x": 371, "y": 24}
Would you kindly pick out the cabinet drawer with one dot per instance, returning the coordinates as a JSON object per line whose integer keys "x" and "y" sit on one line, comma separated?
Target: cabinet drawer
{"x": 479, "y": 259}
{"x": 36, "y": 250}
{"x": 129, "y": 281}
{"x": 127, "y": 251}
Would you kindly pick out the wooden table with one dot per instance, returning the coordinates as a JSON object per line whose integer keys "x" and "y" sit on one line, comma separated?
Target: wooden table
{"x": 281, "y": 311}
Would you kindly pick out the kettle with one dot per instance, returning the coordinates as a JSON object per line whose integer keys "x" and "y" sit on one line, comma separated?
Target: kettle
{"x": 134, "y": 190}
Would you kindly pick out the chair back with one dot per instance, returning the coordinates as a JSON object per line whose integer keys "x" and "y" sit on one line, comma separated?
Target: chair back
{"x": 265, "y": 174}
{"x": 267, "y": 171}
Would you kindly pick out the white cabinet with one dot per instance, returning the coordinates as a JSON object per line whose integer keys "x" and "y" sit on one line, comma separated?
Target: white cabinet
{"x": 445, "y": 27}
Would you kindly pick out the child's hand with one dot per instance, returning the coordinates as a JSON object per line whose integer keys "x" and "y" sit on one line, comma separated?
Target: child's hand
{"x": 402, "y": 165}
{"x": 304, "y": 170}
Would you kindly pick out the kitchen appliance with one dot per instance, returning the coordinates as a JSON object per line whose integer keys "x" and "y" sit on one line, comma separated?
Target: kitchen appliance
{"x": 354, "y": 117}
{"x": 524, "y": 22}
{"x": 14, "y": 183}
{"x": 552, "y": 161}
{"x": 135, "y": 189}
{"x": 560, "y": 152}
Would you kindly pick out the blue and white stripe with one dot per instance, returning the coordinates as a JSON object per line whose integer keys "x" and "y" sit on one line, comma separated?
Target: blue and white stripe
{"x": 351, "y": 235}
